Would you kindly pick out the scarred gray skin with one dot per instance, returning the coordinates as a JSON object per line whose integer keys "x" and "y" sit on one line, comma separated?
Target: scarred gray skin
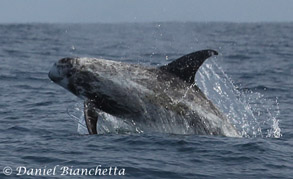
{"x": 148, "y": 97}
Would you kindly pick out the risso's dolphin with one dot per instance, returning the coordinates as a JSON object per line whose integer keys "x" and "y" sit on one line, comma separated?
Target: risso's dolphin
{"x": 163, "y": 99}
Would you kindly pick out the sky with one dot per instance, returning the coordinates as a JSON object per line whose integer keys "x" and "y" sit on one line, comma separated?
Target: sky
{"x": 119, "y": 11}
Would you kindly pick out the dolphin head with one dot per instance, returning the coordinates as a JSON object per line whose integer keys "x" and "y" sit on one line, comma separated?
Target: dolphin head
{"x": 61, "y": 71}
{"x": 98, "y": 80}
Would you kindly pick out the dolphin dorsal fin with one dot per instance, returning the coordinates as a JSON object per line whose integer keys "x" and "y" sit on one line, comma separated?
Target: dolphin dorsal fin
{"x": 186, "y": 66}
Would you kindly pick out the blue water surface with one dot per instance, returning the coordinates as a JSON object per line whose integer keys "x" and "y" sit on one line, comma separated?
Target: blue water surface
{"x": 255, "y": 65}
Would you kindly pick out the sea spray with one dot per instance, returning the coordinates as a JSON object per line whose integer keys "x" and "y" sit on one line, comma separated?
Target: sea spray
{"x": 250, "y": 112}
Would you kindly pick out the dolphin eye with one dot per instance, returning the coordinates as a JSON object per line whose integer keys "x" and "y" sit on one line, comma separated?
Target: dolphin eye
{"x": 70, "y": 73}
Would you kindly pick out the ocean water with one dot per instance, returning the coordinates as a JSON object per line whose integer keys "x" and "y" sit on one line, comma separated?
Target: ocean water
{"x": 250, "y": 81}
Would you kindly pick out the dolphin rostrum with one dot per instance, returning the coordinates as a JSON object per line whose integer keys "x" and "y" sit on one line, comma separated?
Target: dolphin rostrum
{"x": 156, "y": 99}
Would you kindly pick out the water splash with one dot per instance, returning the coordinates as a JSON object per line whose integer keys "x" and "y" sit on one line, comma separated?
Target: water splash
{"x": 106, "y": 122}
{"x": 250, "y": 112}
{"x": 76, "y": 113}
